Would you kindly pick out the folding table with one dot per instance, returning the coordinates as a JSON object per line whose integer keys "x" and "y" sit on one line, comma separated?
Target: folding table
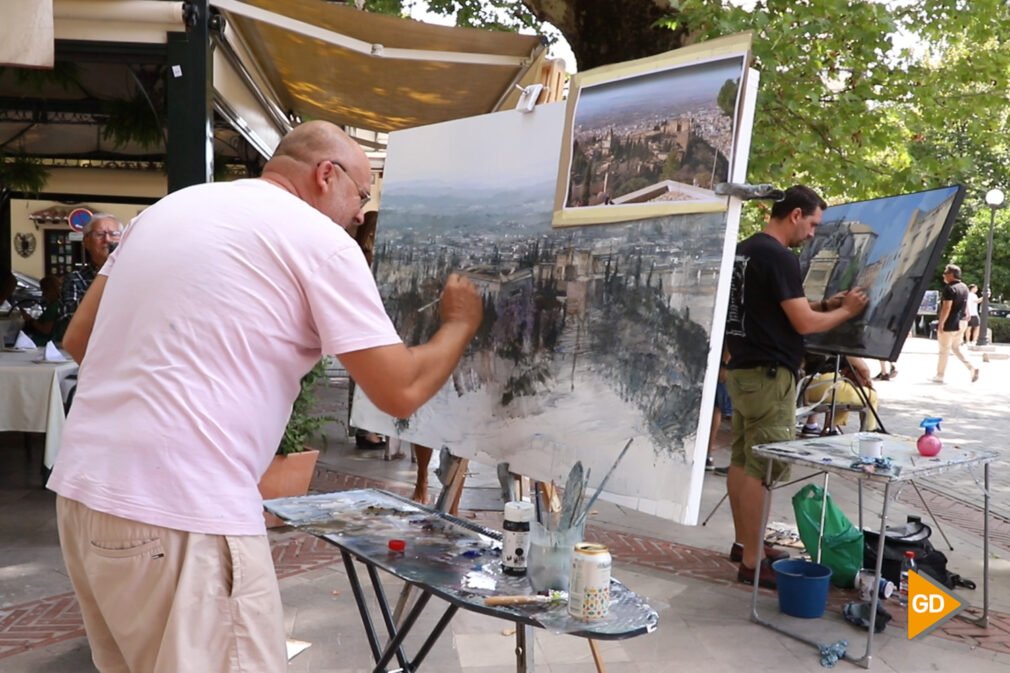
{"x": 445, "y": 557}
{"x": 837, "y": 455}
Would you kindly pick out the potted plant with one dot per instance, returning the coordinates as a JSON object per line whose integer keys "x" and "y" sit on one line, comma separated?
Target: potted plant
{"x": 291, "y": 470}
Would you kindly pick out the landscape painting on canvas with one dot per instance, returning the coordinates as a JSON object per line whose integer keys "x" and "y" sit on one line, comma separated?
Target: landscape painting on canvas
{"x": 652, "y": 137}
{"x": 591, "y": 335}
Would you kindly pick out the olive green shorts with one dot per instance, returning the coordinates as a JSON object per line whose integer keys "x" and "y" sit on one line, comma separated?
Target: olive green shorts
{"x": 764, "y": 411}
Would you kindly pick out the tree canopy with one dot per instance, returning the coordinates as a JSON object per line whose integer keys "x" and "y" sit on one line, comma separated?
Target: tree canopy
{"x": 969, "y": 253}
{"x": 857, "y": 98}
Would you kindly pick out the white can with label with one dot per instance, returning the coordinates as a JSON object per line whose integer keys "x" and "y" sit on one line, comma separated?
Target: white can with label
{"x": 515, "y": 541}
{"x": 589, "y": 586}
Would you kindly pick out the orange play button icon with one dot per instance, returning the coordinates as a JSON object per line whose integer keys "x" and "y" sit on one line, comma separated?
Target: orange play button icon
{"x": 929, "y": 604}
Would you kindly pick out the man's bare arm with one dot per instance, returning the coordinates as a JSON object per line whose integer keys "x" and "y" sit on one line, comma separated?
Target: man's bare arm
{"x": 75, "y": 340}
{"x": 805, "y": 320}
{"x": 945, "y": 307}
{"x": 398, "y": 379}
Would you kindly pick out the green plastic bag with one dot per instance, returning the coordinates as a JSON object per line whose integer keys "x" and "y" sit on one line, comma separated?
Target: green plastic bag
{"x": 841, "y": 543}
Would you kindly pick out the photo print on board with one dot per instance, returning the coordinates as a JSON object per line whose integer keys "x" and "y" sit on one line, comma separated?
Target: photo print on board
{"x": 652, "y": 137}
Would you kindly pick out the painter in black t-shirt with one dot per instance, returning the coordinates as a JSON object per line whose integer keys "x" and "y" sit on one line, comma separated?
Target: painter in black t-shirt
{"x": 758, "y": 332}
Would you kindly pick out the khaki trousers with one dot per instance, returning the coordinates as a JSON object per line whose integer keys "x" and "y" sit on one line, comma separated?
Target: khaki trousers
{"x": 157, "y": 600}
{"x": 951, "y": 341}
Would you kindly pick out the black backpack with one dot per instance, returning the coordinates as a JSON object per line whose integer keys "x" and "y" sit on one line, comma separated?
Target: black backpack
{"x": 912, "y": 536}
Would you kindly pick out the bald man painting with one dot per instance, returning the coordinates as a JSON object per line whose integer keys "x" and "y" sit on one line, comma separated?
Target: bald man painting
{"x": 192, "y": 341}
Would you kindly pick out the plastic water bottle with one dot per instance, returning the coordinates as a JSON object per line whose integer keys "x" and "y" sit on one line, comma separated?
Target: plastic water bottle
{"x": 907, "y": 564}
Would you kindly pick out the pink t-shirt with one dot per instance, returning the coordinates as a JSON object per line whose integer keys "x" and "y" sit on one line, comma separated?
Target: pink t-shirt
{"x": 219, "y": 298}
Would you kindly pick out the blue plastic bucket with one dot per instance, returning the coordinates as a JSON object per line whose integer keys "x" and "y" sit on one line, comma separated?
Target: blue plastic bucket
{"x": 803, "y": 587}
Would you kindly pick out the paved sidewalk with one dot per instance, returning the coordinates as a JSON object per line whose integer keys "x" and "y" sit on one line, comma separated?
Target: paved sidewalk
{"x": 703, "y": 617}
{"x": 704, "y": 612}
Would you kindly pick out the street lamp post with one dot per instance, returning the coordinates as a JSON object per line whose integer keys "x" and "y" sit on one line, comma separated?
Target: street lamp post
{"x": 994, "y": 199}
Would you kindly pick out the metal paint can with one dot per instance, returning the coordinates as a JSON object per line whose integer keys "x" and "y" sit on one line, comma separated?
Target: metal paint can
{"x": 589, "y": 586}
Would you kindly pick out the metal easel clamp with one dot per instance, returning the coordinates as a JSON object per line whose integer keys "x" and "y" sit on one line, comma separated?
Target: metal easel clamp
{"x": 529, "y": 96}
{"x": 747, "y": 192}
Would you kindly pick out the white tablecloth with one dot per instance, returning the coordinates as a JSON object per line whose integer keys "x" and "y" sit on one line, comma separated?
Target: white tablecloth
{"x": 31, "y": 399}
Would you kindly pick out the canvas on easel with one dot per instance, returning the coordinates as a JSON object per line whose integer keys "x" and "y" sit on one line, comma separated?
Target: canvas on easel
{"x": 592, "y": 335}
{"x": 890, "y": 247}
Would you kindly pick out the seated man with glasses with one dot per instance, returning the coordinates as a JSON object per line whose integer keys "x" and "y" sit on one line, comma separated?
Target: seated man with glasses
{"x": 101, "y": 236}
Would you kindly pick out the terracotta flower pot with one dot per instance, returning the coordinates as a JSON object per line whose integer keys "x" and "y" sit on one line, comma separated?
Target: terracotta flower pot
{"x": 286, "y": 477}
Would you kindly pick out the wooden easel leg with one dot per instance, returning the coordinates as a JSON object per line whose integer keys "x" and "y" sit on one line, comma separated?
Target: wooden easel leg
{"x": 452, "y": 473}
{"x": 597, "y": 658}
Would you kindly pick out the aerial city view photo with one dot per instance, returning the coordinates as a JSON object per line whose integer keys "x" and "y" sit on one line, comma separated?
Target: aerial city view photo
{"x": 662, "y": 136}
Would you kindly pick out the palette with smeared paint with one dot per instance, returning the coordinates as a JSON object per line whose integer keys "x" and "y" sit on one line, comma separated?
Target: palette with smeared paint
{"x": 456, "y": 559}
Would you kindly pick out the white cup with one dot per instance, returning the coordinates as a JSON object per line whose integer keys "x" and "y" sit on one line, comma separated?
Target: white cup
{"x": 871, "y": 447}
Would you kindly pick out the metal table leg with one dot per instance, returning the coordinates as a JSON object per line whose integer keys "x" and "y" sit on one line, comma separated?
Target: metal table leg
{"x": 397, "y": 634}
{"x": 755, "y": 617}
{"x": 359, "y": 600}
{"x": 867, "y": 657}
{"x": 983, "y": 621}
{"x": 524, "y": 649}
{"x": 380, "y": 599}
{"x": 864, "y": 660}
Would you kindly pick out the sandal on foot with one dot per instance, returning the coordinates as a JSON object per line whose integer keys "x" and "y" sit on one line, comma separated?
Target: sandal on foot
{"x": 365, "y": 444}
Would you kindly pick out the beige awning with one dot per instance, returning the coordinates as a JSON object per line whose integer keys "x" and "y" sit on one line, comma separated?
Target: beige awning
{"x": 378, "y": 72}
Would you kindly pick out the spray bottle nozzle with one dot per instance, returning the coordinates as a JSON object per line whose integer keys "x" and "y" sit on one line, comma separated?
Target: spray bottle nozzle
{"x": 930, "y": 424}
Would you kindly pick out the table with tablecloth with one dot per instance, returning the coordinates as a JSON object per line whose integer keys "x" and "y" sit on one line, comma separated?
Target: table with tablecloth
{"x": 31, "y": 395}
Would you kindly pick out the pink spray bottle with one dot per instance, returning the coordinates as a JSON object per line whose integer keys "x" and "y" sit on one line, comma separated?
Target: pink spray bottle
{"x": 929, "y": 444}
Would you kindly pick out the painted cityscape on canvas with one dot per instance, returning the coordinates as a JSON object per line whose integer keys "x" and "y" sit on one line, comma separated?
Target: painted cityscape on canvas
{"x": 591, "y": 335}
{"x": 888, "y": 246}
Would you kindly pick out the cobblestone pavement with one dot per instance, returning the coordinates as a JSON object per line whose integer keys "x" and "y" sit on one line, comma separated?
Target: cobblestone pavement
{"x": 54, "y": 619}
{"x": 975, "y": 415}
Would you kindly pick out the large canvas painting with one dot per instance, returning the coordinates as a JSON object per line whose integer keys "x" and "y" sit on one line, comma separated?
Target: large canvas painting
{"x": 888, "y": 246}
{"x": 591, "y": 335}
{"x": 652, "y": 137}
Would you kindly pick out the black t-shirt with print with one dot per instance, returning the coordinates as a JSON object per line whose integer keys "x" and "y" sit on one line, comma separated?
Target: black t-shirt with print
{"x": 758, "y": 332}
{"x": 957, "y": 294}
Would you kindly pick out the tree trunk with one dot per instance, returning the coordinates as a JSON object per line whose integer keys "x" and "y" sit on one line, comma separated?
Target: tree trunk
{"x": 601, "y": 32}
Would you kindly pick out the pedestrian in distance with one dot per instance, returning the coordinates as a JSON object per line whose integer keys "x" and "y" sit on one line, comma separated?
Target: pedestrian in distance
{"x": 953, "y": 322}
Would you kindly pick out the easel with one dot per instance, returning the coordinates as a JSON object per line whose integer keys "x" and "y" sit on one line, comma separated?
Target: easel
{"x": 831, "y": 408}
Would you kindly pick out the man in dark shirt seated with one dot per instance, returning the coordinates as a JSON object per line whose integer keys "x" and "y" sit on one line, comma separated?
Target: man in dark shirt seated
{"x": 44, "y": 328}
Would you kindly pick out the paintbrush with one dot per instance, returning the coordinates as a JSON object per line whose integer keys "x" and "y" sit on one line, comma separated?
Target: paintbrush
{"x": 536, "y": 503}
{"x": 582, "y": 497}
{"x": 571, "y": 496}
{"x": 429, "y": 305}
{"x": 552, "y": 596}
{"x": 582, "y": 516}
